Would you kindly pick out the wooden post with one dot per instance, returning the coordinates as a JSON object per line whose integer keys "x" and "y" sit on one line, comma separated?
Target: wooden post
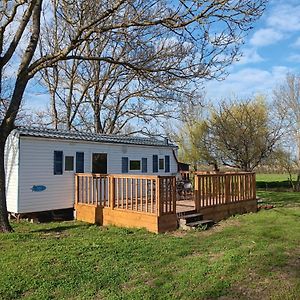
{"x": 92, "y": 191}
{"x": 158, "y": 200}
{"x": 227, "y": 188}
{"x": 111, "y": 192}
{"x": 254, "y": 185}
{"x": 174, "y": 195}
{"x": 76, "y": 189}
{"x": 196, "y": 193}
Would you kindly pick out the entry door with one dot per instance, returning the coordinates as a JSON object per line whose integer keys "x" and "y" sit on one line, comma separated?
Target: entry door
{"x": 99, "y": 164}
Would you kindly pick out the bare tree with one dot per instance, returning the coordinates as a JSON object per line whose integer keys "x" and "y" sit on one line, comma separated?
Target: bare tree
{"x": 210, "y": 28}
{"x": 120, "y": 96}
{"x": 287, "y": 101}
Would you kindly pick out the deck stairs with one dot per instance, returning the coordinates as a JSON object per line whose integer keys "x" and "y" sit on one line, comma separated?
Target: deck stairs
{"x": 193, "y": 220}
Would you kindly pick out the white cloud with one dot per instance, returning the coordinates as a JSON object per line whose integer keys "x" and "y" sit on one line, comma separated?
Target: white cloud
{"x": 285, "y": 17}
{"x": 266, "y": 36}
{"x": 295, "y": 58}
{"x": 247, "y": 82}
{"x": 296, "y": 43}
{"x": 282, "y": 21}
{"x": 250, "y": 56}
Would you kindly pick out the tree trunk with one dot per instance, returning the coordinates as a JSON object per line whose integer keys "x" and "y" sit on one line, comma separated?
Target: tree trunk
{"x": 4, "y": 223}
{"x": 297, "y": 185}
{"x": 6, "y": 127}
{"x": 54, "y": 114}
{"x": 97, "y": 124}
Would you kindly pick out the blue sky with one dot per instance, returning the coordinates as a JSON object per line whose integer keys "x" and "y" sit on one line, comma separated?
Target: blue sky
{"x": 271, "y": 50}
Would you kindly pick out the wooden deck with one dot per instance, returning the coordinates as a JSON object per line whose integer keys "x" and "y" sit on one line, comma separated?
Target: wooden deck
{"x": 152, "y": 201}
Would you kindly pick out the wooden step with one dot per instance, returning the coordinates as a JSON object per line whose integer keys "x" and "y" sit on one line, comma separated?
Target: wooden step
{"x": 190, "y": 218}
{"x": 184, "y": 213}
{"x": 196, "y": 224}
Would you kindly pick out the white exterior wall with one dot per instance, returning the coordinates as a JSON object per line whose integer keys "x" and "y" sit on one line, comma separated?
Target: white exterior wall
{"x": 11, "y": 159}
{"x": 36, "y": 168}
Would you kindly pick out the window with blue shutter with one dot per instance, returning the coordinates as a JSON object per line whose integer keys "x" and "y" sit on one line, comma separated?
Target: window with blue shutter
{"x": 58, "y": 163}
{"x": 167, "y": 163}
{"x": 124, "y": 164}
{"x": 155, "y": 163}
{"x": 79, "y": 162}
{"x": 144, "y": 165}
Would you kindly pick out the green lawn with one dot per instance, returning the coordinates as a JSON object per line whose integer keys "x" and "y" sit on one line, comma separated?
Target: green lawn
{"x": 280, "y": 199}
{"x": 254, "y": 256}
{"x": 273, "y": 177}
{"x": 273, "y": 181}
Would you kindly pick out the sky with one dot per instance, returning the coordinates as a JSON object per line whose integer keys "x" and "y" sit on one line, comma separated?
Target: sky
{"x": 271, "y": 50}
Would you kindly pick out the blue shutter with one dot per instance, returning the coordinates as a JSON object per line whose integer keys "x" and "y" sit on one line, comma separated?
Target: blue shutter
{"x": 155, "y": 163}
{"x": 144, "y": 165}
{"x": 124, "y": 164}
{"x": 167, "y": 163}
{"x": 79, "y": 162}
{"x": 58, "y": 163}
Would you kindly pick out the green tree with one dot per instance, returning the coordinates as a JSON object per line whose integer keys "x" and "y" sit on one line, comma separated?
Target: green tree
{"x": 242, "y": 134}
{"x": 191, "y": 135}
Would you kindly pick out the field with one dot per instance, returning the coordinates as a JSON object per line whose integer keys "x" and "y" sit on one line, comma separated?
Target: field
{"x": 273, "y": 177}
{"x": 274, "y": 181}
{"x": 253, "y": 256}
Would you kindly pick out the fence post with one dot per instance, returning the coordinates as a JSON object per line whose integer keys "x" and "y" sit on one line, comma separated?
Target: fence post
{"x": 254, "y": 185}
{"x": 76, "y": 188}
{"x": 174, "y": 195}
{"x": 227, "y": 188}
{"x": 196, "y": 192}
{"x": 158, "y": 194}
{"x": 111, "y": 192}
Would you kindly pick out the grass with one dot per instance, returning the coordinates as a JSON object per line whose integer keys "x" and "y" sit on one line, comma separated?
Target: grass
{"x": 253, "y": 256}
{"x": 280, "y": 199}
{"x": 274, "y": 181}
{"x": 262, "y": 177}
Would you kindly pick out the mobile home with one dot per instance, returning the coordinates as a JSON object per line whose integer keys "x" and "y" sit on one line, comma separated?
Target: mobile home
{"x": 40, "y": 164}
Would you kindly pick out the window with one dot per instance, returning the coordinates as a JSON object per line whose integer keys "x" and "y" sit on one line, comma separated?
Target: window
{"x": 124, "y": 164}
{"x": 69, "y": 163}
{"x": 155, "y": 163}
{"x": 135, "y": 165}
{"x": 79, "y": 162}
{"x": 144, "y": 165}
{"x": 167, "y": 163}
{"x": 99, "y": 163}
{"x": 161, "y": 164}
{"x": 58, "y": 163}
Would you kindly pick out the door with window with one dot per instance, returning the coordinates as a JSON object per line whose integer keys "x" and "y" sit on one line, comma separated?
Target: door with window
{"x": 99, "y": 163}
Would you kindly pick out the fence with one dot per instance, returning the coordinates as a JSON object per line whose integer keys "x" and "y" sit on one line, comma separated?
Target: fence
{"x": 222, "y": 188}
{"x": 148, "y": 194}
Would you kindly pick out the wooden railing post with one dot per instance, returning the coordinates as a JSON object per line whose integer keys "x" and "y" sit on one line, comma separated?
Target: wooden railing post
{"x": 227, "y": 188}
{"x": 196, "y": 192}
{"x": 174, "y": 195}
{"x": 254, "y": 185}
{"x": 111, "y": 192}
{"x": 158, "y": 196}
{"x": 76, "y": 188}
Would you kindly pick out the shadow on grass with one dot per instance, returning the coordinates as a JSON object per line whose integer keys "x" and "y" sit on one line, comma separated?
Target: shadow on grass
{"x": 273, "y": 184}
{"x": 61, "y": 228}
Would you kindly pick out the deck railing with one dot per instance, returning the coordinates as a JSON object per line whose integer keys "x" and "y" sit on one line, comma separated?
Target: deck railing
{"x": 222, "y": 188}
{"x": 92, "y": 189}
{"x": 147, "y": 194}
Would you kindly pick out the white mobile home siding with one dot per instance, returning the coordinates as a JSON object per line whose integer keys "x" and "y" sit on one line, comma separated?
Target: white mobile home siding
{"x": 36, "y": 168}
{"x": 11, "y": 159}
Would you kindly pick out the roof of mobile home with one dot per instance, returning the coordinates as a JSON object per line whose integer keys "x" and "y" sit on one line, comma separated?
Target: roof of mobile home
{"x": 90, "y": 137}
